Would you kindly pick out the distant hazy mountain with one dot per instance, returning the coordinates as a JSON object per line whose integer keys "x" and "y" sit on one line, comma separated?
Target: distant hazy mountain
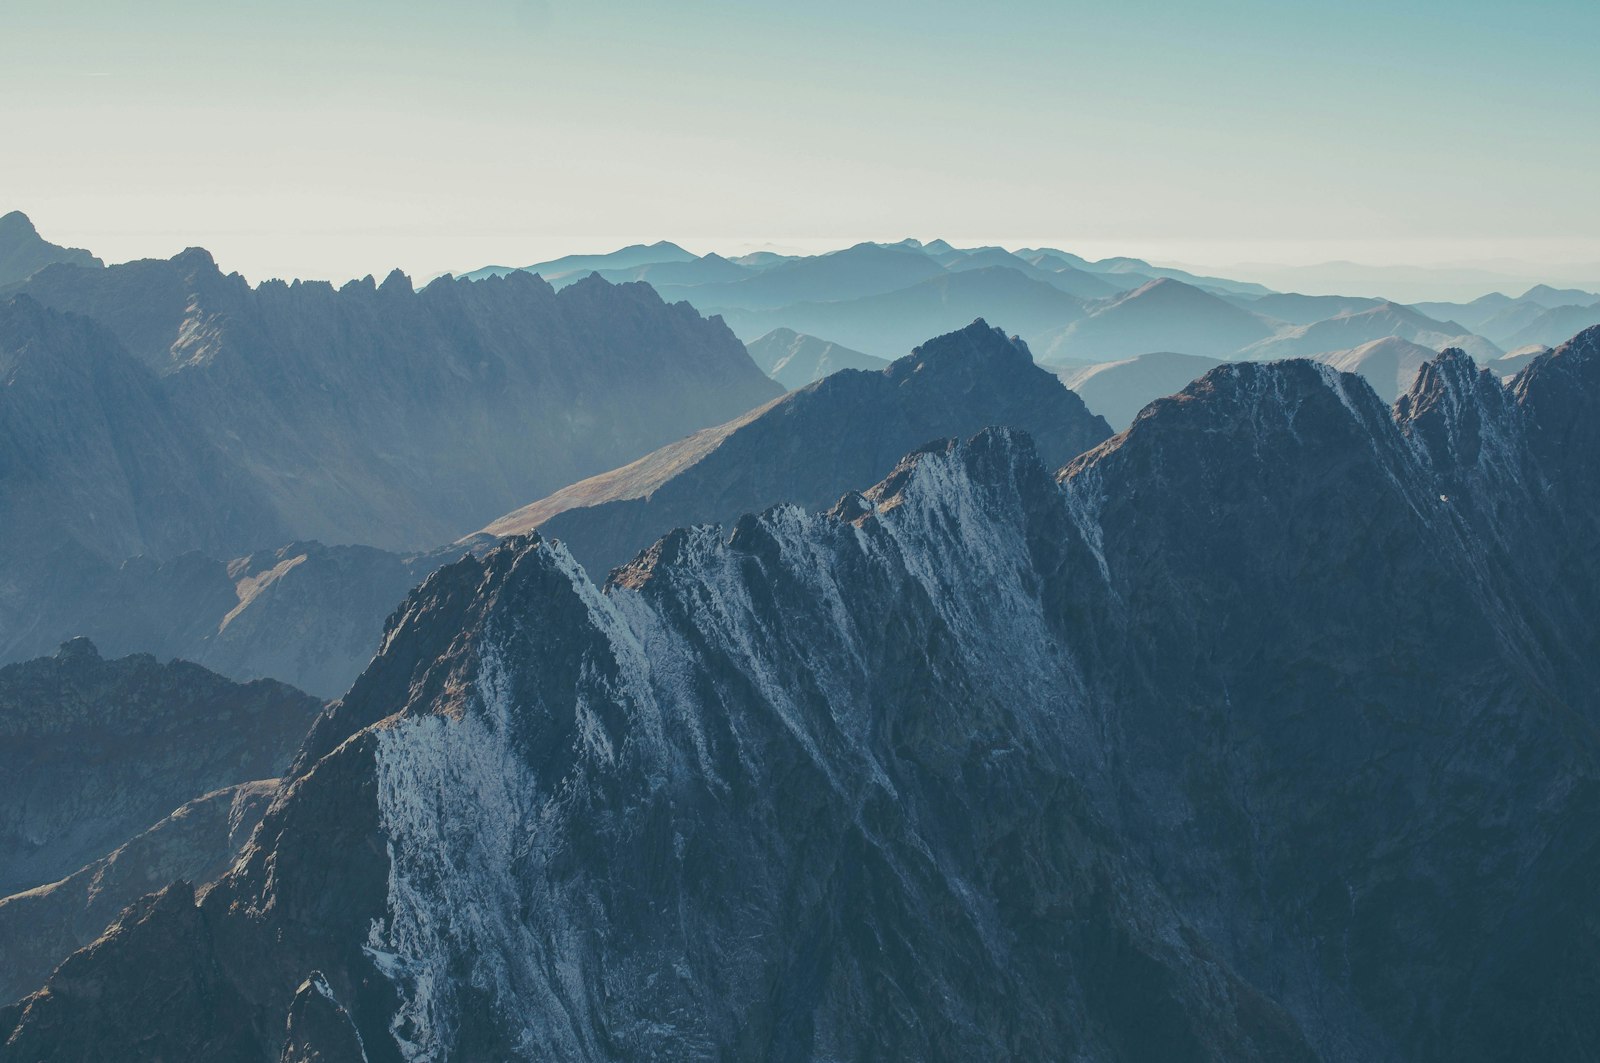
{"x": 1552, "y": 298}
{"x": 1504, "y": 325}
{"x": 815, "y": 444}
{"x": 855, "y": 272}
{"x": 1409, "y": 284}
{"x": 1142, "y": 272}
{"x": 96, "y": 750}
{"x": 1513, "y": 362}
{"x": 1302, "y": 309}
{"x": 1390, "y": 365}
{"x": 368, "y": 414}
{"x": 1554, "y": 327}
{"x": 890, "y": 324}
{"x": 1118, "y": 390}
{"x": 1079, "y": 282}
{"x": 708, "y": 269}
{"x": 1164, "y": 315}
{"x": 794, "y": 359}
{"x": 630, "y": 257}
{"x": 1473, "y": 314}
{"x": 762, "y": 259}
{"x": 917, "y": 287}
{"x": 23, "y": 252}
{"x": 1346, "y": 331}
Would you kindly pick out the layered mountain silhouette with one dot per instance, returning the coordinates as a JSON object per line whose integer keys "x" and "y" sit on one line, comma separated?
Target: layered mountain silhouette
{"x": 1555, "y": 298}
{"x": 883, "y": 298}
{"x": 1389, "y": 365}
{"x": 1300, "y": 309}
{"x": 890, "y": 324}
{"x": 1265, "y": 730}
{"x": 23, "y": 252}
{"x": 1553, "y": 326}
{"x": 1348, "y": 330}
{"x": 795, "y": 360}
{"x": 814, "y": 445}
{"x": 634, "y": 256}
{"x": 1164, "y": 315}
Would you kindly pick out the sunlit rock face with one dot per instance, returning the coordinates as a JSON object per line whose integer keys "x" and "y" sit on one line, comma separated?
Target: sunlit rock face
{"x": 1264, "y": 730}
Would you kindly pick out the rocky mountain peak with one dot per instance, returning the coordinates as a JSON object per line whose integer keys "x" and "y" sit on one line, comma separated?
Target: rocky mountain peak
{"x": 195, "y": 261}
{"x": 978, "y": 347}
{"x": 1460, "y": 414}
{"x": 23, "y": 252}
{"x": 15, "y": 225}
{"x": 78, "y": 649}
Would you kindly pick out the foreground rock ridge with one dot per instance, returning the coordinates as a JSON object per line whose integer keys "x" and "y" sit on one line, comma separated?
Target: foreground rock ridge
{"x": 1264, "y": 730}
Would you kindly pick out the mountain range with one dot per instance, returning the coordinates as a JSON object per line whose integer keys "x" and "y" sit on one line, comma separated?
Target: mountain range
{"x": 882, "y": 299}
{"x": 169, "y": 427}
{"x": 1262, "y": 730}
{"x": 374, "y": 413}
{"x": 814, "y": 445}
{"x": 802, "y": 703}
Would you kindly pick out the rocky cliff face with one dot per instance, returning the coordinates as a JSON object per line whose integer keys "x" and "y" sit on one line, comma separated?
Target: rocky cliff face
{"x": 97, "y": 750}
{"x": 1266, "y": 730}
{"x": 840, "y": 434}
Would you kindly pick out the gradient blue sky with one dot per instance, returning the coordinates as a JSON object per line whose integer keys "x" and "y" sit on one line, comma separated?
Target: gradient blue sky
{"x": 312, "y": 139}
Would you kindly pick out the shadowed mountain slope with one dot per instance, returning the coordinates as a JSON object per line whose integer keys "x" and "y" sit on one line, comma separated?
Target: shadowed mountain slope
{"x": 96, "y": 750}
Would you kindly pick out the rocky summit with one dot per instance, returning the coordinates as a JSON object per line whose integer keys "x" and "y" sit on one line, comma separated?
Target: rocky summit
{"x": 23, "y": 252}
{"x": 1264, "y": 730}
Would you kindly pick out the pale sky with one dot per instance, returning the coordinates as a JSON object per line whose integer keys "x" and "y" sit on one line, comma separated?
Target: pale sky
{"x": 333, "y": 140}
